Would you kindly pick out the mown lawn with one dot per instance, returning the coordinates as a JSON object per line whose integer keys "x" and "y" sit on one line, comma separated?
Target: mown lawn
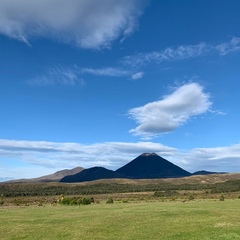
{"x": 203, "y": 220}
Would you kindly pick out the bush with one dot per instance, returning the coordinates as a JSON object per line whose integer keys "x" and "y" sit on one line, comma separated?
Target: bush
{"x": 86, "y": 201}
{"x": 1, "y": 200}
{"x": 110, "y": 200}
{"x": 191, "y": 197}
{"x": 66, "y": 201}
{"x": 75, "y": 201}
{"x": 167, "y": 193}
{"x": 221, "y": 198}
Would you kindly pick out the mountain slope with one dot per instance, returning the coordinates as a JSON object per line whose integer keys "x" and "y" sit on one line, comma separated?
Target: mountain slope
{"x": 55, "y": 177}
{"x": 91, "y": 174}
{"x": 151, "y": 165}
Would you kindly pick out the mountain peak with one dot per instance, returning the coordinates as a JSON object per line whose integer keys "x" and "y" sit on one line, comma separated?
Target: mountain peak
{"x": 148, "y": 154}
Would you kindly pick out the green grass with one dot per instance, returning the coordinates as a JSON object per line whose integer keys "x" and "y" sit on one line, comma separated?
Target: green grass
{"x": 203, "y": 220}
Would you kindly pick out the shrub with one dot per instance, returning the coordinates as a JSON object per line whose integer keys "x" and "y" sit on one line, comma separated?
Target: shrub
{"x": 86, "y": 201}
{"x": 221, "y": 198}
{"x": 66, "y": 201}
{"x": 75, "y": 201}
{"x": 110, "y": 200}
{"x": 190, "y": 197}
{"x": 1, "y": 200}
{"x": 166, "y": 193}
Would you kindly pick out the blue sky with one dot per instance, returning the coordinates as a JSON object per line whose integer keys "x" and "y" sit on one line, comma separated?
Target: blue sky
{"x": 98, "y": 82}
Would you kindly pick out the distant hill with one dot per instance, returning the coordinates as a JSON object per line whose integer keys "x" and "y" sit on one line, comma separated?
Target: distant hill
{"x": 4, "y": 179}
{"x": 60, "y": 174}
{"x": 55, "y": 177}
{"x": 203, "y": 172}
{"x": 149, "y": 166}
{"x": 91, "y": 174}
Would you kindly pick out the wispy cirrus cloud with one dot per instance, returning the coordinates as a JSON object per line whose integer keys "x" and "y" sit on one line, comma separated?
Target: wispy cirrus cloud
{"x": 113, "y": 72}
{"x": 228, "y": 47}
{"x": 58, "y": 76}
{"x": 108, "y": 71}
{"x": 86, "y": 23}
{"x": 72, "y": 76}
{"x": 168, "y": 54}
{"x": 182, "y": 52}
{"x": 172, "y": 111}
{"x": 137, "y": 75}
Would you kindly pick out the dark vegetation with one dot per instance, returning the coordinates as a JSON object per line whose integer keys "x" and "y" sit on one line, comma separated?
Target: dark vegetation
{"x": 70, "y": 201}
{"x": 46, "y": 189}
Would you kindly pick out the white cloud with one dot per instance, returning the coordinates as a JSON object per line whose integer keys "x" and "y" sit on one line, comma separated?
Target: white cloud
{"x": 171, "y": 112}
{"x": 87, "y": 23}
{"x": 38, "y": 158}
{"x": 55, "y": 156}
{"x": 137, "y": 75}
{"x": 58, "y": 76}
{"x": 222, "y": 159}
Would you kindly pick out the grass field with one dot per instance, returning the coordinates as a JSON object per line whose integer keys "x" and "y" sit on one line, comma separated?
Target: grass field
{"x": 203, "y": 220}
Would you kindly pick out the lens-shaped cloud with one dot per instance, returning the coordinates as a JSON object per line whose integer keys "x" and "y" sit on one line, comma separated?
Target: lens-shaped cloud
{"x": 171, "y": 112}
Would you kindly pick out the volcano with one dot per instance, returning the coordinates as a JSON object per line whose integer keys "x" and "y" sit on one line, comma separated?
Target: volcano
{"x": 151, "y": 165}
